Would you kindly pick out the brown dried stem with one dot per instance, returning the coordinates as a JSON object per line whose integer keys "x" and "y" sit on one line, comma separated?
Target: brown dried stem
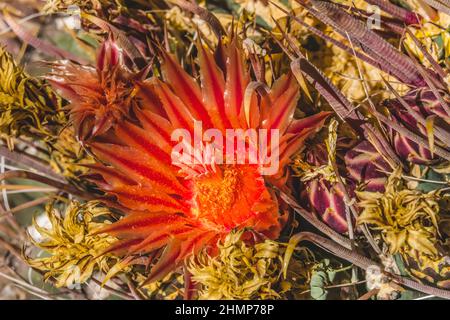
{"x": 22, "y": 174}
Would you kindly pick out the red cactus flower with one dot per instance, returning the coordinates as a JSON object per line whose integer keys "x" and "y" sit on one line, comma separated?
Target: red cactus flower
{"x": 99, "y": 96}
{"x": 186, "y": 210}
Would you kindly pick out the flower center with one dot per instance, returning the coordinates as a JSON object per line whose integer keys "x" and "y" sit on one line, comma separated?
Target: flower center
{"x": 216, "y": 192}
{"x": 224, "y": 198}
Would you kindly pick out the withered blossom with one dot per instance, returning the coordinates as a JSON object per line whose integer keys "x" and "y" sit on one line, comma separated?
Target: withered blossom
{"x": 239, "y": 271}
{"x": 72, "y": 248}
{"x": 407, "y": 219}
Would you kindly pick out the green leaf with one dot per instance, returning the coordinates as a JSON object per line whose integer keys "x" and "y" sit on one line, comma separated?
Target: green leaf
{"x": 322, "y": 276}
{"x": 430, "y": 175}
{"x": 318, "y": 293}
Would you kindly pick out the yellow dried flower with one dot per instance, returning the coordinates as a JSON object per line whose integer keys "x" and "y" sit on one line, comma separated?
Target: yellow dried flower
{"x": 434, "y": 38}
{"x": 408, "y": 219}
{"x": 431, "y": 269}
{"x": 67, "y": 155}
{"x": 178, "y": 19}
{"x": 168, "y": 288}
{"x": 75, "y": 251}
{"x": 30, "y": 109}
{"x": 238, "y": 271}
{"x": 265, "y": 10}
{"x": 26, "y": 105}
{"x": 53, "y": 6}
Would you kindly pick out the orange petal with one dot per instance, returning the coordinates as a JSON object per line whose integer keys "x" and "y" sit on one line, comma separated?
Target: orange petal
{"x": 299, "y": 131}
{"x": 193, "y": 245}
{"x": 302, "y": 126}
{"x": 166, "y": 263}
{"x": 143, "y": 140}
{"x": 213, "y": 87}
{"x": 186, "y": 88}
{"x": 150, "y": 100}
{"x": 176, "y": 110}
{"x": 143, "y": 198}
{"x": 111, "y": 176}
{"x": 281, "y": 85}
{"x": 140, "y": 225}
{"x": 160, "y": 128}
{"x": 159, "y": 238}
{"x": 282, "y": 111}
{"x": 141, "y": 168}
{"x": 122, "y": 246}
{"x": 236, "y": 83}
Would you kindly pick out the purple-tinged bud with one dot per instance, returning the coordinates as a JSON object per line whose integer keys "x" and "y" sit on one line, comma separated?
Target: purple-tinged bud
{"x": 109, "y": 55}
{"x": 424, "y": 104}
{"x": 327, "y": 200}
{"x": 366, "y": 166}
